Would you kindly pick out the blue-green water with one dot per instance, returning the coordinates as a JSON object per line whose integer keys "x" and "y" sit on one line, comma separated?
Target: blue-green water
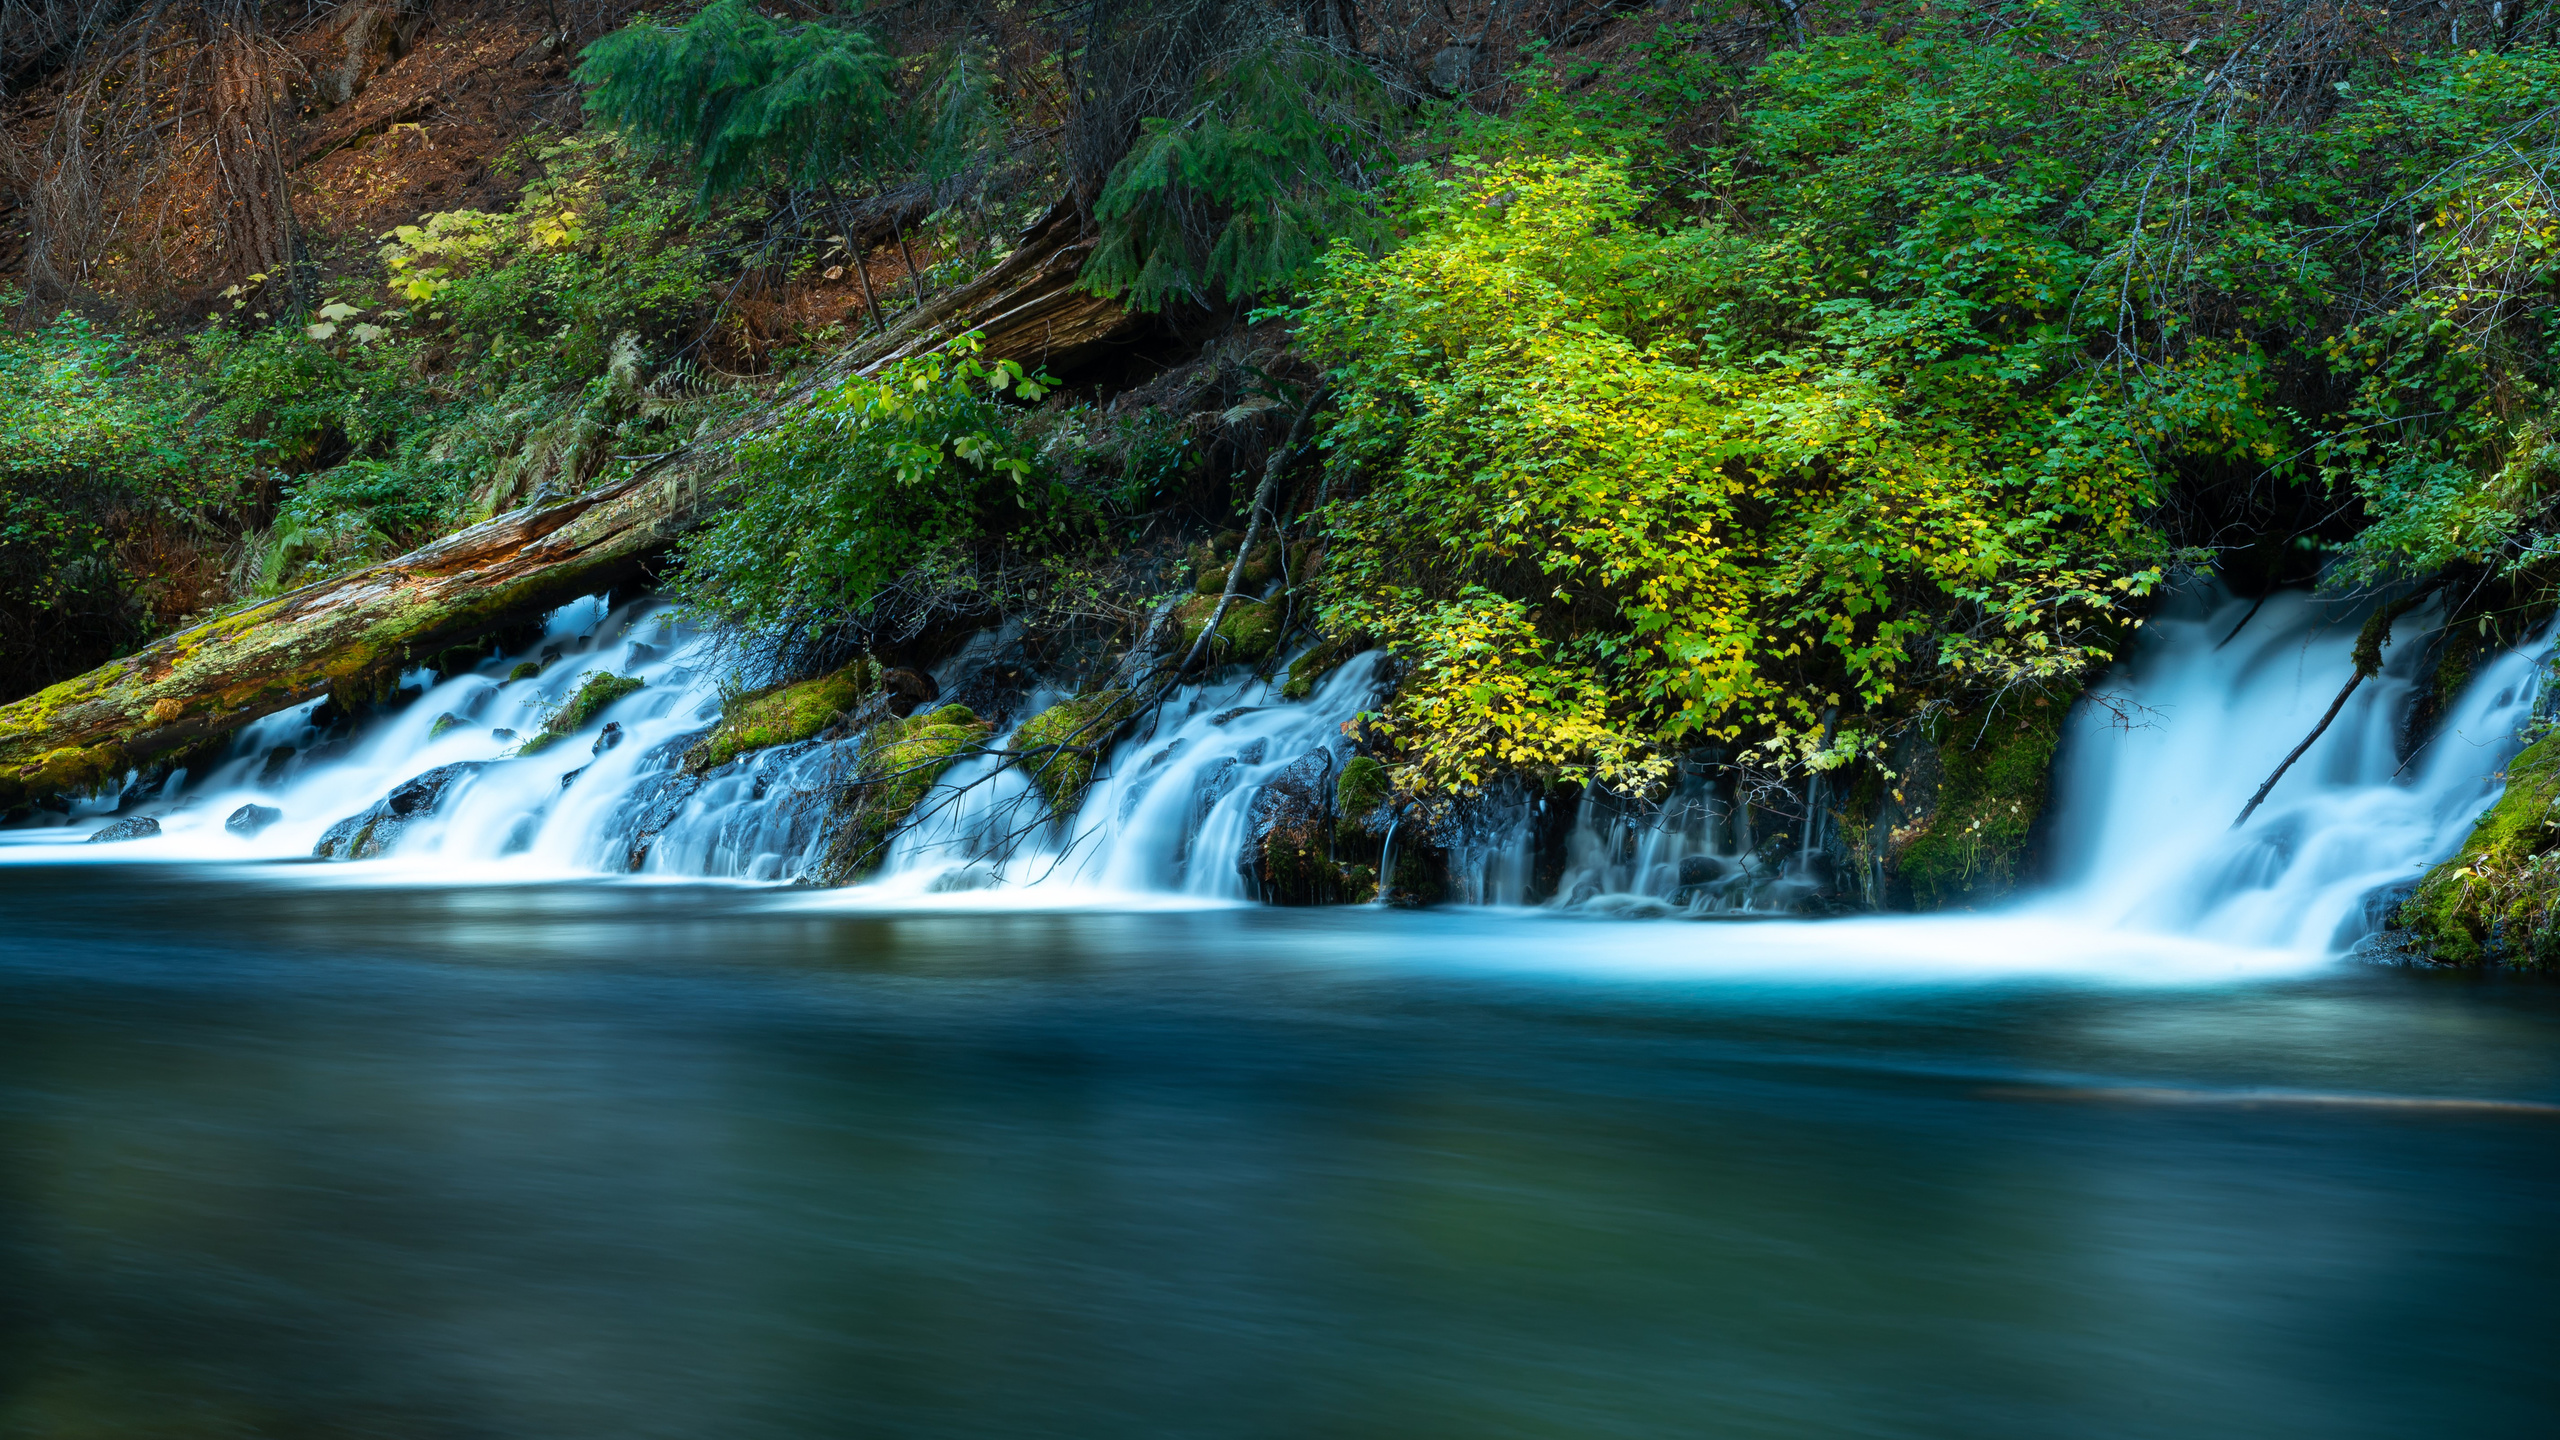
{"x": 286, "y": 1155}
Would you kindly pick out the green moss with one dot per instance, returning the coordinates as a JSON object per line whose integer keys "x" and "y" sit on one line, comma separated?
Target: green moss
{"x": 1363, "y": 786}
{"x": 1322, "y": 660}
{"x": 584, "y": 705}
{"x": 901, "y": 761}
{"x": 1971, "y": 844}
{"x": 524, "y": 671}
{"x": 780, "y": 715}
{"x": 1085, "y": 725}
{"x": 1249, "y": 632}
{"x": 2493, "y": 902}
{"x": 1260, "y": 569}
{"x": 69, "y": 770}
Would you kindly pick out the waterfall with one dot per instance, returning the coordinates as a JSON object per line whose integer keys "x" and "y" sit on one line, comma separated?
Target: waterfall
{"x": 2153, "y": 767}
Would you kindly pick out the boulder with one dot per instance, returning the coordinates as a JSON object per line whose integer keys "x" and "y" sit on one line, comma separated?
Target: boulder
{"x": 133, "y": 827}
{"x": 909, "y": 689}
{"x": 1068, "y": 737}
{"x": 781, "y": 715}
{"x": 584, "y": 704}
{"x": 1703, "y": 869}
{"x": 378, "y": 830}
{"x": 250, "y": 821}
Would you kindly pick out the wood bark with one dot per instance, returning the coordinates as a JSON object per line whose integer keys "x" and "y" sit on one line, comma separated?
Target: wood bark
{"x": 351, "y": 636}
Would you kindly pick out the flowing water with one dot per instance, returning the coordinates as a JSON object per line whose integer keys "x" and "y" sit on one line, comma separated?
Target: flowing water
{"x": 1048, "y": 1132}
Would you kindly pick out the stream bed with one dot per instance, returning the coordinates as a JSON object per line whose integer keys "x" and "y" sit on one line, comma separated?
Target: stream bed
{"x": 287, "y": 1151}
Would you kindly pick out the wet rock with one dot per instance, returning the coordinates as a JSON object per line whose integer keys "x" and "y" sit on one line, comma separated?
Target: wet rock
{"x": 135, "y": 827}
{"x": 525, "y": 671}
{"x": 909, "y": 689}
{"x": 1703, "y": 869}
{"x": 641, "y": 655}
{"x": 276, "y": 760}
{"x": 592, "y": 698}
{"x": 377, "y": 831}
{"x": 607, "y": 738}
{"x": 503, "y": 735}
{"x": 444, "y": 722}
{"x": 424, "y": 793}
{"x": 572, "y": 777}
{"x": 782, "y": 715}
{"x": 249, "y": 821}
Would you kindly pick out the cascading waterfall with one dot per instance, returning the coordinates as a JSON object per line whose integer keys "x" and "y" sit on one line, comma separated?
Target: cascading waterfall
{"x": 2149, "y": 778}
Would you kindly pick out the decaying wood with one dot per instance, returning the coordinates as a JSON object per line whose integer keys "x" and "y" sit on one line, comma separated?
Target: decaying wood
{"x": 352, "y": 636}
{"x": 1027, "y": 307}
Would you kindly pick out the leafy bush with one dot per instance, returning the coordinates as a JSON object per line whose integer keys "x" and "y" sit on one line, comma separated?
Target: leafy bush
{"x": 838, "y": 498}
{"x": 1635, "y": 495}
{"x": 743, "y": 100}
{"x": 594, "y": 247}
{"x": 111, "y": 475}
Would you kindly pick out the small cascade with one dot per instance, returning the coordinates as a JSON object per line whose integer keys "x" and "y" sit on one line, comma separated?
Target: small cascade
{"x": 439, "y": 786}
{"x": 2153, "y": 773}
{"x": 2153, "y": 768}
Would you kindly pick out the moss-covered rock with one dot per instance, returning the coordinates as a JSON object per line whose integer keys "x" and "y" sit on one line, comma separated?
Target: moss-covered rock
{"x": 901, "y": 761}
{"x": 780, "y": 715}
{"x": 1320, "y": 660}
{"x": 2493, "y": 902}
{"x": 1249, "y": 632}
{"x": 1260, "y": 569}
{"x": 1363, "y": 786}
{"x": 584, "y": 705}
{"x": 525, "y": 670}
{"x": 1967, "y": 844}
{"x": 1081, "y": 729}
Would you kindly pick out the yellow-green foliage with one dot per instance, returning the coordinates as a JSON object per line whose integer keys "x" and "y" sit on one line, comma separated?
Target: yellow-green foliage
{"x": 2494, "y": 901}
{"x": 1644, "y": 492}
{"x": 901, "y": 761}
{"x": 1968, "y": 848}
{"x": 1081, "y": 728}
{"x": 1248, "y": 631}
{"x": 584, "y": 705}
{"x": 779, "y": 716}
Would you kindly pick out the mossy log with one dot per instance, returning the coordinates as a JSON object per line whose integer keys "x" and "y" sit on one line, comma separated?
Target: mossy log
{"x": 350, "y": 636}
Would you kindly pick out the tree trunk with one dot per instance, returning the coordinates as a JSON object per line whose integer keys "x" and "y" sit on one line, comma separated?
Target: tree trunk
{"x": 257, "y": 191}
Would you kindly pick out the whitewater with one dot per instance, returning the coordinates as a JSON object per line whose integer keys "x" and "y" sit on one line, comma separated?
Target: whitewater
{"x": 2146, "y": 873}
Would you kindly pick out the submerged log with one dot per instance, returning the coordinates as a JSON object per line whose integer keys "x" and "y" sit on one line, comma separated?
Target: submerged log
{"x": 352, "y": 636}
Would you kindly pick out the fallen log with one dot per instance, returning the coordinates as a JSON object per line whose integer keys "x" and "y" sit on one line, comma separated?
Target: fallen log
{"x": 351, "y": 636}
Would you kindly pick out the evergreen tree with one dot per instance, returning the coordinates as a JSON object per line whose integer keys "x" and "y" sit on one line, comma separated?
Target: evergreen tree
{"x": 744, "y": 101}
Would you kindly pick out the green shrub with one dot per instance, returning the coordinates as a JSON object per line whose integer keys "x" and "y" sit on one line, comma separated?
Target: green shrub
{"x": 872, "y": 477}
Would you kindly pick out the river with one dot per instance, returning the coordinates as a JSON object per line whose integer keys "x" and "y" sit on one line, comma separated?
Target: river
{"x": 285, "y": 1152}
